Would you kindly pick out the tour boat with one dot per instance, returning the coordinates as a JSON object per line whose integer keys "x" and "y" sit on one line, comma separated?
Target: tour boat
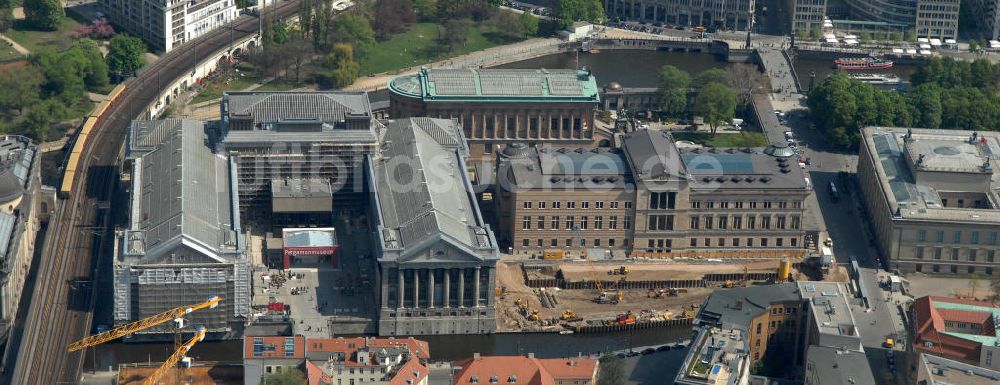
{"x": 875, "y": 78}
{"x": 866, "y": 63}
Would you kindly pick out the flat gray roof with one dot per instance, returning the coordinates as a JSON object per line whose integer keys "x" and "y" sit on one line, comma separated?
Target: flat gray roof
{"x": 299, "y": 117}
{"x": 945, "y": 371}
{"x": 300, "y": 188}
{"x": 734, "y": 308}
{"x": 422, "y": 189}
{"x": 831, "y": 366}
{"x": 742, "y": 168}
{"x": 524, "y": 167}
{"x": 717, "y": 357}
{"x": 831, "y": 311}
{"x": 183, "y": 196}
{"x": 948, "y": 154}
{"x": 17, "y": 154}
{"x": 653, "y": 156}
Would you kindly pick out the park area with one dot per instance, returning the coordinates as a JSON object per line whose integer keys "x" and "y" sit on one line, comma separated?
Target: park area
{"x": 420, "y": 45}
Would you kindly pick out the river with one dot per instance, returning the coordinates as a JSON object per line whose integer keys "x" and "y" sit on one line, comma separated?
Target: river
{"x": 443, "y": 347}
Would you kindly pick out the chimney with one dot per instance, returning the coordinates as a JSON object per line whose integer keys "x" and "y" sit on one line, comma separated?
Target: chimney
{"x": 476, "y": 357}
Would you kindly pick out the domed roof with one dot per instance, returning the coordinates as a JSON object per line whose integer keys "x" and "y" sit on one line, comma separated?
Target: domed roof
{"x": 10, "y": 186}
{"x": 613, "y": 86}
{"x": 780, "y": 151}
{"x": 515, "y": 149}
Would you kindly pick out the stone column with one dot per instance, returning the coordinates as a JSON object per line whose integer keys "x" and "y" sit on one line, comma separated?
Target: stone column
{"x": 430, "y": 287}
{"x": 491, "y": 296}
{"x": 461, "y": 287}
{"x": 447, "y": 287}
{"x": 402, "y": 288}
{"x": 416, "y": 288}
{"x": 385, "y": 288}
{"x": 476, "y": 286}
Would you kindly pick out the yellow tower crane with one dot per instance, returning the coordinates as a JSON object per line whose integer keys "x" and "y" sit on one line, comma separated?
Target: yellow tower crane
{"x": 148, "y": 322}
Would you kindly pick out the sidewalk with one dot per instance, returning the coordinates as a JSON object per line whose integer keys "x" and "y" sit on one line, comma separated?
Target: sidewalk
{"x": 17, "y": 47}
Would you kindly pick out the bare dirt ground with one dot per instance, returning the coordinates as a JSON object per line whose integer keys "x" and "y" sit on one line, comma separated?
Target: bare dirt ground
{"x": 663, "y": 271}
{"x": 511, "y": 277}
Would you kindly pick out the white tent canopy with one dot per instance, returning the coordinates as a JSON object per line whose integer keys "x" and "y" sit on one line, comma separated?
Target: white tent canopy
{"x": 950, "y": 41}
{"x": 925, "y": 52}
{"x": 833, "y": 40}
{"x": 936, "y": 42}
{"x": 922, "y": 40}
{"x": 897, "y": 50}
{"x": 850, "y": 37}
{"x": 850, "y": 42}
{"x": 829, "y": 36}
{"x": 911, "y": 51}
{"x": 925, "y": 46}
{"x": 994, "y": 44}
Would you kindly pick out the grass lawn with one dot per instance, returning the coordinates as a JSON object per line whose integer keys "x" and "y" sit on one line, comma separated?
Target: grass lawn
{"x": 280, "y": 85}
{"x": 418, "y": 46}
{"x": 741, "y": 139}
{"x": 8, "y": 53}
{"x": 214, "y": 90}
{"x": 35, "y": 40}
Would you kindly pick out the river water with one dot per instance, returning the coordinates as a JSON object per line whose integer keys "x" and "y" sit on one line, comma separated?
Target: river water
{"x": 443, "y": 348}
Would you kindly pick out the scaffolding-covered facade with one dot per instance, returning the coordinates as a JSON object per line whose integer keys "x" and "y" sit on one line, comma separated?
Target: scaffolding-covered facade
{"x": 184, "y": 242}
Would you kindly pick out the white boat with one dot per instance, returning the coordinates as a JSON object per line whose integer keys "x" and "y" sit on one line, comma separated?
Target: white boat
{"x": 875, "y": 79}
{"x": 565, "y": 332}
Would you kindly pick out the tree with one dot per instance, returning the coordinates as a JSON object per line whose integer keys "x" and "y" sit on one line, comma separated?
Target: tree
{"x": 41, "y": 117}
{"x": 454, "y": 31}
{"x": 322, "y": 13}
{"x": 815, "y": 33}
{"x": 672, "y": 92}
{"x": 354, "y": 30}
{"x": 426, "y": 10}
{"x": 529, "y": 24}
{"x": 709, "y": 76}
{"x": 298, "y": 51}
{"x": 744, "y": 79}
{"x": 974, "y": 282}
{"x": 305, "y": 17}
{"x": 281, "y": 32}
{"x": 343, "y": 68}
{"x": 125, "y": 55}
{"x": 6, "y": 18}
{"x": 392, "y": 17}
{"x": 96, "y": 74}
{"x": 716, "y": 103}
{"x": 865, "y": 38}
{"x": 612, "y": 370}
{"x": 896, "y": 37}
{"x": 19, "y": 88}
{"x": 910, "y": 36}
{"x": 44, "y": 14}
{"x": 242, "y": 4}
{"x": 289, "y": 376}
{"x": 507, "y": 25}
{"x": 569, "y": 11}
{"x": 926, "y": 99}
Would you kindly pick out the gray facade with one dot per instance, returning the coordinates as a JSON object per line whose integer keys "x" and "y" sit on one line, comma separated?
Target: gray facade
{"x": 722, "y": 14}
{"x": 931, "y": 198}
{"x": 184, "y": 241}
{"x": 19, "y": 207}
{"x": 165, "y": 25}
{"x": 301, "y": 135}
{"x": 436, "y": 257}
{"x": 929, "y": 18}
{"x": 987, "y": 17}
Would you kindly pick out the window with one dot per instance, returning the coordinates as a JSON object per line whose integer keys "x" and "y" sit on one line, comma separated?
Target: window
{"x": 937, "y": 253}
{"x": 569, "y": 222}
{"x": 611, "y": 242}
{"x": 749, "y": 242}
{"x": 736, "y": 242}
{"x": 527, "y": 205}
{"x": 767, "y": 205}
{"x": 661, "y": 222}
{"x": 782, "y": 205}
{"x": 779, "y": 242}
{"x": 763, "y": 242}
{"x": 525, "y": 242}
{"x": 696, "y": 204}
{"x": 919, "y": 267}
{"x": 723, "y": 205}
{"x": 989, "y": 255}
{"x": 765, "y": 223}
{"x": 751, "y": 222}
{"x": 796, "y": 222}
{"x": 739, "y": 205}
{"x": 708, "y": 222}
{"x": 957, "y": 238}
{"x": 541, "y": 204}
{"x": 972, "y": 255}
{"x": 554, "y": 242}
{"x": 974, "y": 238}
{"x": 585, "y": 204}
{"x": 794, "y": 242}
{"x": 571, "y": 205}
{"x": 598, "y": 222}
{"x": 695, "y": 222}
{"x": 662, "y": 200}
{"x": 781, "y": 222}
{"x": 694, "y": 242}
{"x": 556, "y": 205}
{"x": 628, "y": 204}
{"x": 954, "y": 269}
{"x": 737, "y": 223}
{"x": 627, "y": 222}
{"x": 555, "y": 222}
{"x": 972, "y": 269}
{"x": 710, "y": 204}
{"x": 541, "y": 222}
{"x": 993, "y": 238}
{"x": 599, "y": 205}
{"x": 753, "y": 205}
{"x": 758, "y": 328}
{"x": 614, "y": 204}
{"x": 597, "y": 242}
{"x": 289, "y": 346}
{"x": 940, "y": 236}
{"x": 583, "y": 222}
{"x": 723, "y": 222}
{"x": 526, "y": 223}
{"x": 954, "y": 254}
{"x": 722, "y": 242}
{"x": 539, "y": 242}
{"x": 920, "y": 252}
{"x": 708, "y": 242}
{"x": 613, "y": 222}
{"x": 569, "y": 242}
{"x": 989, "y": 271}
{"x": 936, "y": 268}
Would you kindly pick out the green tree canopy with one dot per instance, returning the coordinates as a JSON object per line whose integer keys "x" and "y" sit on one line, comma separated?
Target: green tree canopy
{"x": 286, "y": 377}
{"x": 344, "y": 69}
{"x": 673, "y": 90}
{"x": 529, "y": 23}
{"x": 569, "y": 11}
{"x": 96, "y": 74}
{"x": 612, "y": 370}
{"x": 716, "y": 103}
{"x": 44, "y": 14}
{"x": 352, "y": 29}
{"x": 19, "y": 88}
{"x": 709, "y": 76}
{"x": 125, "y": 55}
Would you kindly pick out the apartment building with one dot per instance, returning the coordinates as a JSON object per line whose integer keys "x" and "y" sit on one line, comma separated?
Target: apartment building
{"x": 957, "y": 329}
{"x": 717, "y": 356}
{"x": 650, "y": 198}
{"x": 20, "y": 208}
{"x": 500, "y": 106}
{"x": 807, "y": 15}
{"x": 987, "y": 17}
{"x": 931, "y": 196}
{"x": 769, "y": 316}
{"x": 929, "y": 18}
{"x": 343, "y": 361}
{"x": 721, "y": 14}
{"x": 169, "y": 24}
{"x": 525, "y": 370}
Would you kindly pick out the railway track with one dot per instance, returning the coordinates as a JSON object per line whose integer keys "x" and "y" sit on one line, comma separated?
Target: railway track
{"x": 58, "y": 314}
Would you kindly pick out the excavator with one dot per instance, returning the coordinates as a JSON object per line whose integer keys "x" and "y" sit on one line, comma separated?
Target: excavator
{"x": 175, "y": 315}
{"x": 605, "y": 297}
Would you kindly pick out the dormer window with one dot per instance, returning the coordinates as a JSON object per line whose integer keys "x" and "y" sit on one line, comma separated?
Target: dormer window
{"x": 512, "y": 379}
{"x": 474, "y": 380}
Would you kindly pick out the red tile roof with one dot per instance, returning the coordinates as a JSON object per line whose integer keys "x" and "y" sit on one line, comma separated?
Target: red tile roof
{"x": 274, "y": 347}
{"x": 419, "y": 354}
{"x": 930, "y": 327}
{"x": 526, "y": 370}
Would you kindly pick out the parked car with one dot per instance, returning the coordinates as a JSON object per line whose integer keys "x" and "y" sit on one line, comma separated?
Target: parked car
{"x": 648, "y": 351}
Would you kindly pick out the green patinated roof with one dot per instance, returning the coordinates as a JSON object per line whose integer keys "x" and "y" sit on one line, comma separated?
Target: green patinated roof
{"x": 988, "y": 340}
{"x": 498, "y": 85}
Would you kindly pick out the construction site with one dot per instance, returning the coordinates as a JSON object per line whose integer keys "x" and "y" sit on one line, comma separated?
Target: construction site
{"x": 579, "y": 296}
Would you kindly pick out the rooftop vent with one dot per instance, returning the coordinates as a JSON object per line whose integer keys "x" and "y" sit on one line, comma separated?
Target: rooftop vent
{"x": 765, "y": 179}
{"x": 749, "y": 179}
{"x": 720, "y": 179}
{"x": 579, "y": 150}
{"x": 735, "y": 179}
{"x": 562, "y": 150}
{"x": 696, "y": 151}
{"x": 712, "y": 150}
{"x": 612, "y": 179}
{"x": 730, "y": 150}
{"x": 555, "y": 179}
{"x": 706, "y": 179}
{"x": 597, "y": 179}
{"x": 785, "y": 170}
{"x": 746, "y": 150}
